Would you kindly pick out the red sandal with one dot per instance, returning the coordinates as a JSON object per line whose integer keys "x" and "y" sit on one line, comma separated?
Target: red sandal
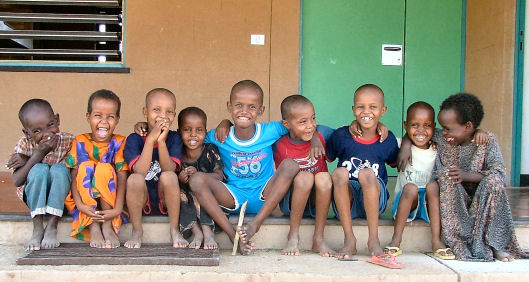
{"x": 385, "y": 260}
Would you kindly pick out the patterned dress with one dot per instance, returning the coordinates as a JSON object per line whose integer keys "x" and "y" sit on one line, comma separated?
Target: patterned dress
{"x": 97, "y": 164}
{"x": 475, "y": 217}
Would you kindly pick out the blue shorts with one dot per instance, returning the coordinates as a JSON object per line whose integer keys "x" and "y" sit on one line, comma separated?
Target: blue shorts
{"x": 254, "y": 197}
{"x": 284, "y": 205}
{"x": 420, "y": 212}
{"x": 357, "y": 207}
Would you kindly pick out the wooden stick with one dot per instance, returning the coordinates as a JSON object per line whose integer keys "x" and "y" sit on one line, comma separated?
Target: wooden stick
{"x": 239, "y": 224}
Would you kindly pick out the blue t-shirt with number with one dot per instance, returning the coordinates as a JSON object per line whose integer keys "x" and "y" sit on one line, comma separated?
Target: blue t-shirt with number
{"x": 356, "y": 154}
{"x": 249, "y": 164}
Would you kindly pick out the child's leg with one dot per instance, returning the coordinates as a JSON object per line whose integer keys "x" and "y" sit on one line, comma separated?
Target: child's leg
{"x": 59, "y": 187}
{"x": 323, "y": 185}
{"x": 211, "y": 193}
{"x": 111, "y": 238}
{"x": 301, "y": 188}
{"x": 371, "y": 190}
{"x": 35, "y": 194}
{"x": 198, "y": 237}
{"x": 407, "y": 202}
{"x": 209, "y": 238}
{"x": 168, "y": 184}
{"x": 96, "y": 236}
{"x": 273, "y": 193}
{"x": 342, "y": 200}
{"x": 432, "y": 200}
{"x": 136, "y": 196}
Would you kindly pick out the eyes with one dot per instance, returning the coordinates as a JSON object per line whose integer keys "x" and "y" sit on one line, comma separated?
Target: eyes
{"x": 251, "y": 107}
{"x": 168, "y": 112}
{"x": 417, "y": 125}
{"x": 371, "y": 107}
{"x": 190, "y": 129}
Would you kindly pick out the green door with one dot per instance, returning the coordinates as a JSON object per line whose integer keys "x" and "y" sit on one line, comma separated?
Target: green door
{"x": 342, "y": 50}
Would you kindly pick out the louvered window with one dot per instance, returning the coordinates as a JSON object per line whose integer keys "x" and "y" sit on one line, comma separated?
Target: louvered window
{"x": 75, "y": 32}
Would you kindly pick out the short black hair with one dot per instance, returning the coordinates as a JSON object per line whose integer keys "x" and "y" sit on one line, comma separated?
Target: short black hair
{"x": 291, "y": 101}
{"x": 247, "y": 84}
{"x": 155, "y": 90}
{"x": 192, "y": 111}
{"x": 369, "y": 86}
{"x": 33, "y": 103}
{"x": 467, "y": 107}
{"x": 104, "y": 94}
{"x": 419, "y": 105}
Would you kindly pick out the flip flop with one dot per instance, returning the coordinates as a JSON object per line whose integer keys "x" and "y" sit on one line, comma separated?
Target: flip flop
{"x": 385, "y": 260}
{"x": 396, "y": 251}
{"x": 439, "y": 254}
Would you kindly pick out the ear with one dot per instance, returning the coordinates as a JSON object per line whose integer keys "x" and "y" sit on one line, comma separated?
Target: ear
{"x": 57, "y": 119}
{"x": 285, "y": 124}
{"x": 469, "y": 126}
{"x": 405, "y": 123}
{"x": 144, "y": 110}
{"x": 88, "y": 117}
{"x": 353, "y": 108}
{"x": 261, "y": 111}
{"x": 228, "y": 106}
{"x": 384, "y": 109}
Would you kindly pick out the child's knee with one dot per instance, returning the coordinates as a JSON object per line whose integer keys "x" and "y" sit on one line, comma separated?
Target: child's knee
{"x": 135, "y": 183}
{"x": 38, "y": 171}
{"x": 367, "y": 177}
{"x": 410, "y": 191}
{"x": 323, "y": 181}
{"x": 340, "y": 176}
{"x": 59, "y": 170}
{"x": 304, "y": 180}
{"x": 197, "y": 182}
{"x": 432, "y": 189}
{"x": 288, "y": 167}
{"x": 168, "y": 178}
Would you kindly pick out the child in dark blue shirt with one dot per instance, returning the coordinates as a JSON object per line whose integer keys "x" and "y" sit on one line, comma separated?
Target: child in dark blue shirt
{"x": 361, "y": 171}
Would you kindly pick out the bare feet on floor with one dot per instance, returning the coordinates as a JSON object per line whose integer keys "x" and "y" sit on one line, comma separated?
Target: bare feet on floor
{"x": 135, "y": 240}
{"x": 178, "y": 240}
{"x": 245, "y": 245}
{"x": 348, "y": 250}
{"x": 49, "y": 241}
{"x": 111, "y": 238}
{"x": 374, "y": 248}
{"x": 198, "y": 237}
{"x": 36, "y": 238}
{"x": 209, "y": 238}
{"x": 503, "y": 256}
{"x": 96, "y": 237}
{"x": 292, "y": 246}
{"x": 319, "y": 246}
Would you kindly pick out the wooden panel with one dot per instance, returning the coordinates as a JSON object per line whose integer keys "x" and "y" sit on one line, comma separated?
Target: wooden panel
{"x": 489, "y": 65}
{"x": 148, "y": 254}
{"x": 9, "y": 202}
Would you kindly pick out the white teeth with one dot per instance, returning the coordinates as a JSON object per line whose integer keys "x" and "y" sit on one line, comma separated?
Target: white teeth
{"x": 102, "y": 128}
{"x": 193, "y": 142}
{"x": 420, "y": 137}
{"x": 243, "y": 118}
{"x": 367, "y": 118}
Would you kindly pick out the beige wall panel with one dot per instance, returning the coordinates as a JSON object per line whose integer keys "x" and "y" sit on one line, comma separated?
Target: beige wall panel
{"x": 284, "y": 71}
{"x": 489, "y": 64}
{"x": 197, "y": 49}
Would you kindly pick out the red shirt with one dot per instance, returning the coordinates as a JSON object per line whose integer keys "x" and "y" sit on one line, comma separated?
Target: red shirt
{"x": 285, "y": 148}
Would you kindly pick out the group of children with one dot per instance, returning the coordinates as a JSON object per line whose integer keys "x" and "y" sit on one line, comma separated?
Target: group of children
{"x": 196, "y": 177}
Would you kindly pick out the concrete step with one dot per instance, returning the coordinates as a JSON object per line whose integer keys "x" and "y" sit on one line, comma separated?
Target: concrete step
{"x": 16, "y": 229}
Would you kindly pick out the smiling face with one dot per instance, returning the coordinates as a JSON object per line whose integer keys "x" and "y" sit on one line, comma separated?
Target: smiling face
{"x": 301, "y": 122}
{"x": 369, "y": 108}
{"x": 160, "y": 107}
{"x": 245, "y": 106}
{"x": 40, "y": 123}
{"x": 193, "y": 130}
{"x": 103, "y": 119}
{"x": 420, "y": 126}
{"x": 454, "y": 132}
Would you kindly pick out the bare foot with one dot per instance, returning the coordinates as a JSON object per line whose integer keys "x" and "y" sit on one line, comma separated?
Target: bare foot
{"x": 209, "y": 238}
{"x": 436, "y": 245}
{"x": 292, "y": 247}
{"x": 198, "y": 237}
{"x": 34, "y": 242}
{"x": 246, "y": 232}
{"x": 319, "y": 246}
{"x": 178, "y": 240}
{"x": 96, "y": 237}
{"x": 135, "y": 240}
{"x": 374, "y": 248}
{"x": 245, "y": 248}
{"x": 49, "y": 241}
{"x": 348, "y": 250}
{"x": 111, "y": 238}
{"x": 502, "y": 256}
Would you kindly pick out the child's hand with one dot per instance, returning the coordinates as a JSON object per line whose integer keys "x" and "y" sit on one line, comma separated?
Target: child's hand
{"x": 222, "y": 130}
{"x": 456, "y": 174}
{"x": 47, "y": 144}
{"x": 480, "y": 138}
{"x": 316, "y": 148}
{"x": 383, "y": 131}
{"x": 140, "y": 128}
{"x": 164, "y": 127}
{"x": 183, "y": 177}
{"x": 16, "y": 161}
{"x": 190, "y": 170}
{"x": 89, "y": 211}
{"x": 354, "y": 129}
{"x": 108, "y": 214}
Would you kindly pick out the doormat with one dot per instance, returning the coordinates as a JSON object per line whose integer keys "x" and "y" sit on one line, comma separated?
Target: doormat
{"x": 148, "y": 254}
